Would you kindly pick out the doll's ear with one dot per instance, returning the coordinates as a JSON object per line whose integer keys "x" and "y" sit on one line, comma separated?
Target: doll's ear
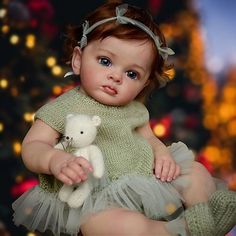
{"x": 147, "y": 83}
{"x": 76, "y": 60}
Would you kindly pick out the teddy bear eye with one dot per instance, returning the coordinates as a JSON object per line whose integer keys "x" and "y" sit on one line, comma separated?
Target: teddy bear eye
{"x": 67, "y": 137}
{"x": 81, "y": 132}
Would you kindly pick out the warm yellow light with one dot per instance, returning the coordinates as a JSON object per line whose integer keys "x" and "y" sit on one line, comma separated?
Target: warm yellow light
{"x": 159, "y": 130}
{"x": 170, "y": 73}
{"x": 3, "y": 83}
{"x": 170, "y": 208}
{"x": 226, "y": 111}
{"x": 5, "y": 29}
{"x": 14, "y": 91}
{"x": 209, "y": 92}
{"x": 19, "y": 178}
{"x": 231, "y": 128}
{"x": 14, "y": 39}
{"x": 51, "y": 61}
{"x": 3, "y": 12}
{"x": 30, "y": 41}
{"x": 226, "y": 157}
{"x": 17, "y": 147}
{"x": 212, "y": 153}
{"x": 1, "y": 126}
{"x": 29, "y": 117}
{"x": 57, "y": 90}
{"x": 210, "y": 121}
{"x": 167, "y": 30}
{"x": 31, "y": 234}
{"x": 56, "y": 70}
{"x": 229, "y": 94}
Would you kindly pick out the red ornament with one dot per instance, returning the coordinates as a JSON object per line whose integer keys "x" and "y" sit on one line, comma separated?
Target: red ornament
{"x": 203, "y": 160}
{"x": 191, "y": 122}
{"x": 22, "y": 187}
{"x": 154, "y": 6}
{"x": 42, "y": 15}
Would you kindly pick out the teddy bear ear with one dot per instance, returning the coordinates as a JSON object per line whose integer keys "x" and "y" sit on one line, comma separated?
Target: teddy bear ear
{"x": 96, "y": 120}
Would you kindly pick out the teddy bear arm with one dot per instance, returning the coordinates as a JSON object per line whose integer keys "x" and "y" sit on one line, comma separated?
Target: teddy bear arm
{"x": 96, "y": 159}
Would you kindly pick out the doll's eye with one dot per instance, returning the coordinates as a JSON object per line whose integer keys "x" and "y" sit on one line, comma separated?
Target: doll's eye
{"x": 104, "y": 61}
{"x": 132, "y": 74}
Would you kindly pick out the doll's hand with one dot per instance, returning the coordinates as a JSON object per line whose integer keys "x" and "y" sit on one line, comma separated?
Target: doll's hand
{"x": 165, "y": 167}
{"x": 68, "y": 168}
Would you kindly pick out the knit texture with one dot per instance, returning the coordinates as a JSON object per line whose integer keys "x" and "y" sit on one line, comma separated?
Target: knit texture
{"x": 125, "y": 151}
{"x": 223, "y": 207}
{"x": 199, "y": 220}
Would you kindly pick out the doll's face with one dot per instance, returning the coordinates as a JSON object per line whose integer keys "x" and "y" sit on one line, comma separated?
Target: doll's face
{"x": 114, "y": 71}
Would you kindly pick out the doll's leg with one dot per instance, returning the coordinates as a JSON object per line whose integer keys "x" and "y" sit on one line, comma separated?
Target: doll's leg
{"x": 209, "y": 212}
{"x": 117, "y": 222}
{"x": 198, "y": 216}
{"x": 201, "y": 185}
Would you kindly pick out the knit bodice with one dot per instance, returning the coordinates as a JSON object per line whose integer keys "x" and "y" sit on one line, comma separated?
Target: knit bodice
{"x": 125, "y": 151}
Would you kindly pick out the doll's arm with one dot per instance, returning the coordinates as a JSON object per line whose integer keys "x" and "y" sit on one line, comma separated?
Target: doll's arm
{"x": 158, "y": 147}
{"x": 40, "y": 156}
{"x": 165, "y": 167}
{"x": 37, "y": 147}
{"x": 96, "y": 159}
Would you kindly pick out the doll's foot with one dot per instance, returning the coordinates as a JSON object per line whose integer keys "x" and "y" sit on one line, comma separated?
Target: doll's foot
{"x": 199, "y": 220}
{"x": 223, "y": 208}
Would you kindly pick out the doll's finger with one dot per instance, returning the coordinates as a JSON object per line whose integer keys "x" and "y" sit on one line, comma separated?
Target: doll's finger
{"x": 70, "y": 173}
{"x": 171, "y": 172}
{"x": 158, "y": 168}
{"x": 79, "y": 172}
{"x": 165, "y": 170}
{"x": 84, "y": 163}
{"x": 64, "y": 179}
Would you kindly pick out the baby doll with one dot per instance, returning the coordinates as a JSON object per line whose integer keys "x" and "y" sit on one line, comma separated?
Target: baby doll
{"x": 119, "y": 55}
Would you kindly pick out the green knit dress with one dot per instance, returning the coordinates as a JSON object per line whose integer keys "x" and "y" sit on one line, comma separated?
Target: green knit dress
{"x": 129, "y": 181}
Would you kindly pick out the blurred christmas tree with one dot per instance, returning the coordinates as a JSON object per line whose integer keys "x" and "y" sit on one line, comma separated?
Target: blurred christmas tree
{"x": 193, "y": 108}
{"x": 190, "y": 108}
{"x": 30, "y": 75}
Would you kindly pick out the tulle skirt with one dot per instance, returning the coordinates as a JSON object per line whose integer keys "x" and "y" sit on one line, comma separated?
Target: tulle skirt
{"x": 40, "y": 210}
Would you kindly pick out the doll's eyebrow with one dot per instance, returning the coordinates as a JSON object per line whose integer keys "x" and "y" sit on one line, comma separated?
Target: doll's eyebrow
{"x": 106, "y": 51}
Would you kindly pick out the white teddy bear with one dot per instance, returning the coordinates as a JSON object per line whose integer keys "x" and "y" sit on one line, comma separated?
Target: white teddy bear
{"x": 80, "y": 132}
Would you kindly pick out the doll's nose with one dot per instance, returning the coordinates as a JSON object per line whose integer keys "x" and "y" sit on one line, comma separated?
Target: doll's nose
{"x": 116, "y": 77}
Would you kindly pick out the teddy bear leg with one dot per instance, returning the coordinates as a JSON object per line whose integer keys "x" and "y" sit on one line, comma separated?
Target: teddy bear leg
{"x": 79, "y": 195}
{"x": 65, "y": 192}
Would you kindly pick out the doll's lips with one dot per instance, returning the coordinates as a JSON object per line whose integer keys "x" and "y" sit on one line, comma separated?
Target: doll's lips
{"x": 109, "y": 90}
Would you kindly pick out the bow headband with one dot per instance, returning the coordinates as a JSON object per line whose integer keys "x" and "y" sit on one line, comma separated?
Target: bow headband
{"x": 121, "y": 19}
